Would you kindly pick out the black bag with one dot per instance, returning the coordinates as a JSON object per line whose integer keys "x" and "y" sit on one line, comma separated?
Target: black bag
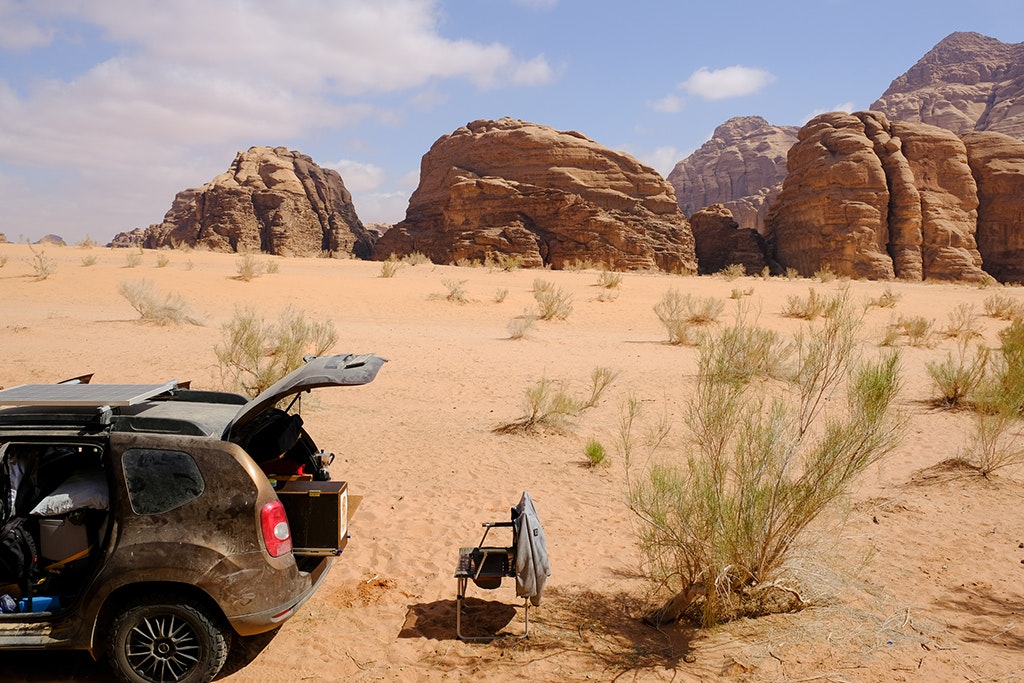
{"x": 18, "y": 554}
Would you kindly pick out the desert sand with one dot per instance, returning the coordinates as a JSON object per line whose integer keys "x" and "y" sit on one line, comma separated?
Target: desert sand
{"x": 917, "y": 577}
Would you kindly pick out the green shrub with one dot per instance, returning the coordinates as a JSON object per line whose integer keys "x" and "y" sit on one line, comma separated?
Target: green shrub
{"x": 255, "y": 353}
{"x": 959, "y": 376}
{"x": 548, "y": 404}
{"x": 596, "y": 454}
{"x": 720, "y": 522}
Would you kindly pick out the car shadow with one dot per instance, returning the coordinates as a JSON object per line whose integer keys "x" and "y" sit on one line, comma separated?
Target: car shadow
{"x": 34, "y": 666}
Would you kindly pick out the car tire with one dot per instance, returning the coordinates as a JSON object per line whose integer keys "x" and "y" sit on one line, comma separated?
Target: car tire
{"x": 166, "y": 638}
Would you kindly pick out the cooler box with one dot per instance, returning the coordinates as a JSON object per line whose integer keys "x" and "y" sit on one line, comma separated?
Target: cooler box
{"x": 317, "y": 514}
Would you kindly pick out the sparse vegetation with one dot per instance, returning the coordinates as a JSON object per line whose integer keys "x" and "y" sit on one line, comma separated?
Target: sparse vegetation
{"x": 805, "y": 309}
{"x": 959, "y": 376}
{"x": 500, "y": 294}
{"x": 456, "y": 290}
{"x": 596, "y": 454}
{"x": 720, "y": 522}
{"x": 415, "y": 259}
{"x": 1003, "y": 307}
{"x": 87, "y": 242}
{"x": 548, "y": 404}
{"x": 89, "y": 260}
{"x": 133, "y": 258}
{"x": 272, "y": 267}
{"x": 3, "y": 260}
{"x": 520, "y": 325}
{"x": 249, "y": 267}
{"x": 42, "y": 265}
{"x": 390, "y": 267}
{"x": 506, "y": 262}
{"x": 162, "y": 260}
{"x": 609, "y": 279}
{"x": 963, "y": 322}
{"x": 674, "y": 315}
{"x": 733, "y": 271}
{"x": 825, "y": 274}
{"x": 553, "y": 303}
{"x": 167, "y": 309}
{"x": 994, "y": 443}
{"x": 740, "y": 293}
{"x": 255, "y": 353}
{"x": 792, "y": 274}
{"x": 887, "y": 299}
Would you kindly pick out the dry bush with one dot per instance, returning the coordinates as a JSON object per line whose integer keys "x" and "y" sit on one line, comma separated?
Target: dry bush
{"x": 163, "y": 310}
{"x": 500, "y": 294}
{"x": 719, "y": 521}
{"x": 272, "y": 267}
{"x": 416, "y": 259}
{"x": 456, "y": 290}
{"x": 702, "y": 310}
{"x": 994, "y": 443}
{"x": 825, "y": 274}
{"x": 249, "y": 267}
{"x": 917, "y": 329}
{"x": 549, "y": 405}
{"x": 732, "y": 271}
{"x": 133, "y": 258}
{"x": 89, "y": 260}
{"x": 505, "y": 262}
{"x": 3, "y": 260}
{"x": 959, "y": 376}
{"x": 963, "y": 322}
{"x": 162, "y": 260}
{"x": 42, "y": 265}
{"x": 553, "y": 303}
{"x": 887, "y": 299}
{"x": 255, "y": 353}
{"x": 1003, "y": 307}
{"x": 609, "y": 279}
{"x": 805, "y": 309}
{"x": 520, "y": 325}
{"x": 390, "y": 267}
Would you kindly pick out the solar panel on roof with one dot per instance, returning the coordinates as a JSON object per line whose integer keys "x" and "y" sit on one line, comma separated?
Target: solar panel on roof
{"x": 87, "y": 395}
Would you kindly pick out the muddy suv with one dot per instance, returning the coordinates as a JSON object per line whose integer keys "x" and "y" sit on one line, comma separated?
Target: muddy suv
{"x": 162, "y": 525}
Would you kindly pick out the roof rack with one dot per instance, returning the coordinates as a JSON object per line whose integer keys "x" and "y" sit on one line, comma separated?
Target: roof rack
{"x": 83, "y": 395}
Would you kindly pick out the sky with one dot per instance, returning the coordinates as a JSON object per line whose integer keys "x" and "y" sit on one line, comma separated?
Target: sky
{"x": 108, "y": 108}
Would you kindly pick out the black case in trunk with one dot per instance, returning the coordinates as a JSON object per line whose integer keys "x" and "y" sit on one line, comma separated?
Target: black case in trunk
{"x": 317, "y": 514}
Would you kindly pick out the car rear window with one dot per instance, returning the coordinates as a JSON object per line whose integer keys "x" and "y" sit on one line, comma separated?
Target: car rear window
{"x": 160, "y": 481}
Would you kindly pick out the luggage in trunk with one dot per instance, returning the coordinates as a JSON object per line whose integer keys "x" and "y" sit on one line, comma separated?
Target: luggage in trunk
{"x": 317, "y": 514}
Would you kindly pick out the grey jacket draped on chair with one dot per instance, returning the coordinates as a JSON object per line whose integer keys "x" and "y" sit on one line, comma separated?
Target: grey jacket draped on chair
{"x": 532, "y": 567}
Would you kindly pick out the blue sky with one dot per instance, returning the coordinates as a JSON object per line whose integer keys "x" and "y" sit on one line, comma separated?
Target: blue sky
{"x": 110, "y": 107}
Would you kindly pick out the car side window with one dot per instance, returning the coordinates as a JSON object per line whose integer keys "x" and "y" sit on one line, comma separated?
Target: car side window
{"x": 159, "y": 481}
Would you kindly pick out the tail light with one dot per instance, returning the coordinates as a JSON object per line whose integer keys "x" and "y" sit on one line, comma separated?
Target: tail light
{"x": 276, "y": 533}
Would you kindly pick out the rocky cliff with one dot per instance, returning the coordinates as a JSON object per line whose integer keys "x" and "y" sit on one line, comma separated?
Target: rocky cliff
{"x": 271, "y": 199}
{"x": 967, "y": 82}
{"x": 720, "y": 242}
{"x": 997, "y": 162}
{"x": 741, "y": 167}
{"x": 548, "y": 196}
{"x": 871, "y": 198}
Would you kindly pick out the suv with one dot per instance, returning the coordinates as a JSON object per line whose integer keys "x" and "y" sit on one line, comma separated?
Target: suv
{"x": 161, "y": 524}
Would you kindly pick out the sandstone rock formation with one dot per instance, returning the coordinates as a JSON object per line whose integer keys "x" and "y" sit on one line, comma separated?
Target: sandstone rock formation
{"x": 3, "y": 238}
{"x": 741, "y": 167}
{"x": 874, "y": 199}
{"x": 720, "y": 242}
{"x": 997, "y": 162}
{"x": 967, "y": 82}
{"x": 52, "y": 240}
{"x": 551, "y": 197}
{"x": 271, "y": 199}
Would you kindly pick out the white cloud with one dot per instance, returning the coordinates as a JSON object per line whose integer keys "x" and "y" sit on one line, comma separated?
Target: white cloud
{"x": 663, "y": 159}
{"x": 537, "y": 71}
{"x": 845, "y": 107}
{"x": 18, "y": 31}
{"x": 380, "y": 207}
{"x": 732, "y": 81}
{"x": 669, "y": 104}
{"x": 359, "y": 176}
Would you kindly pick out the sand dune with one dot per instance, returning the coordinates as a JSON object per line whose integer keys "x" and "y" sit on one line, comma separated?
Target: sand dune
{"x": 922, "y": 581}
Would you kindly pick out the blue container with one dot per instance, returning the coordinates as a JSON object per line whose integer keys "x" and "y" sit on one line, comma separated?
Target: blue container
{"x": 40, "y": 603}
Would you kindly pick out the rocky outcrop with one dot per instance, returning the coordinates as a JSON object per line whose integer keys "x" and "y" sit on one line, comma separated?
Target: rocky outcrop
{"x": 132, "y": 239}
{"x": 741, "y": 167}
{"x": 967, "y": 82}
{"x": 720, "y": 242}
{"x": 3, "y": 238}
{"x": 272, "y": 199}
{"x": 873, "y": 199}
{"x": 548, "y": 196}
{"x": 997, "y": 162}
{"x": 52, "y": 240}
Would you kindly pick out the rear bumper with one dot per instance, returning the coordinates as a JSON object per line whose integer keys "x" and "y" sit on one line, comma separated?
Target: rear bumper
{"x": 269, "y": 619}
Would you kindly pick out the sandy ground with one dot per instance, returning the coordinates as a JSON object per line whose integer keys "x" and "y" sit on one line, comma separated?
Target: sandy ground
{"x": 918, "y": 578}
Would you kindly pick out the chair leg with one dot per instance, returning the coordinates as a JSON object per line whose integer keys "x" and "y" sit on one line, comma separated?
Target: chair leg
{"x": 460, "y": 597}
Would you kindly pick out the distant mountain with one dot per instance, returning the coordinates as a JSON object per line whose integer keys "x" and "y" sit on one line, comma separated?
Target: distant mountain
{"x": 968, "y": 82}
{"x": 740, "y": 167}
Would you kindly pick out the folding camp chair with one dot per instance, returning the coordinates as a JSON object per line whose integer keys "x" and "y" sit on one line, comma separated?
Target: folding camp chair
{"x": 487, "y": 566}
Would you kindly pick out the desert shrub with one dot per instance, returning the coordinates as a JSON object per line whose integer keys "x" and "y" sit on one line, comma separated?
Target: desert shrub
{"x": 542, "y": 285}
{"x": 674, "y": 314}
{"x": 456, "y": 290}
{"x": 390, "y": 267}
{"x": 733, "y": 271}
{"x": 87, "y": 242}
{"x": 596, "y": 454}
{"x": 609, "y": 279}
{"x": 963, "y": 322}
{"x": 506, "y": 262}
{"x": 189, "y": 265}
{"x": 415, "y": 259}
{"x": 42, "y": 265}
{"x": 255, "y": 353}
{"x": 167, "y": 309}
{"x": 994, "y": 443}
{"x": 805, "y": 309}
{"x": 272, "y": 267}
{"x": 3, "y": 260}
{"x": 917, "y": 329}
{"x": 133, "y": 258}
{"x": 578, "y": 265}
{"x": 887, "y": 299}
{"x": 1003, "y": 307}
{"x": 248, "y": 267}
{"x": 553, "y": 303}
{"x": 500, "y": 294}
{"x": 825, "y": 273}
{"x": 792, "y": 273}
{"x": 162, "y": 260}
{"x": 702, "y": 310}
{"x": 959, "y": 376}
{"x": 740, "y": 293}
{"x": 766, "y": 273}
{"x": 520, "y": 325}
{"x": 548, "y": 404}
{"x": 719, "y": 522}
{"x": 468, "y": 262}
{"x": 89, "y": 260}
